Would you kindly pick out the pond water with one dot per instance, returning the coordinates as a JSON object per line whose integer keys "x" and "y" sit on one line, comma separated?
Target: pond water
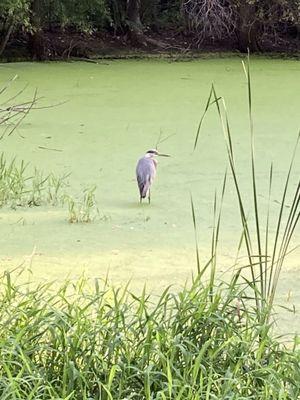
{"x": 114, "y": 112}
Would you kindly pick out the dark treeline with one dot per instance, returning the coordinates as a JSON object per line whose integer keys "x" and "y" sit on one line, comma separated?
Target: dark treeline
{"x": 236, "y": 24}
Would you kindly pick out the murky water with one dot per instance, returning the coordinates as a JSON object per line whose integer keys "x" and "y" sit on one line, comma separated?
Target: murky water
{"x": 114, "y": 112}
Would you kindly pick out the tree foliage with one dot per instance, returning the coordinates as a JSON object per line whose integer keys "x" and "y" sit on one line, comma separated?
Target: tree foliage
{"x": 14, "y": 16}
{"x": 241, "y": 22}
{"x": 86, "y": 16}
{"x": 14, "y": 11}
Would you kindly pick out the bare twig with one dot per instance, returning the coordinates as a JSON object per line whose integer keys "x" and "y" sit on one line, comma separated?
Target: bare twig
{"x": 12, "y": 114}
{"x": 209, "y": 19}
{"x": 15, "y": 96}
{"x": 162, "y": 139}
{"x": 48, "y": 148}
{"x": 8, "y": 83}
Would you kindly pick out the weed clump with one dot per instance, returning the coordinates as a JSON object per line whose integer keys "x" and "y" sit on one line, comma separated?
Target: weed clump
{"x": 82, "y": 341}
{"x": 84, "y": 209}
{"x": 20, "y": 187}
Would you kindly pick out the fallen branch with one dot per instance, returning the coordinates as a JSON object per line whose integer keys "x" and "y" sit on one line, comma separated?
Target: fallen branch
{"x": 48, "y": 148}
{"x": 11, "y": 116}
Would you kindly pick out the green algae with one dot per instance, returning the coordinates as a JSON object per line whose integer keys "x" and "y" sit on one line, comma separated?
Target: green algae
{"x": 114, "y": 112}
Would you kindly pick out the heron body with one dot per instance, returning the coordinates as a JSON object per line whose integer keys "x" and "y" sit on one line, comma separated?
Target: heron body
{"x": 146, "y": 172}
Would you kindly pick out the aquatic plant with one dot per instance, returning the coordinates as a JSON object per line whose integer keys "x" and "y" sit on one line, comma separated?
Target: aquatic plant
{"x": 56, "y": 185}
{"x": 84, "y": 209}
{"x": 265, "y": 259}
{"x": 87, "y": 340}
{"x": 21, "y": 186}
{"x": 211, "y": 340}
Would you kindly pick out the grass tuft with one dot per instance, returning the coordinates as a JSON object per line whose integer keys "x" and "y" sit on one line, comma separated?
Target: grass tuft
{"x": 21, "y": 186}
{"x": 265, "y": 256}
{"x": 87, "y": 340}
{"x": 84, "y": 209}
{"x": 24, "y": 187}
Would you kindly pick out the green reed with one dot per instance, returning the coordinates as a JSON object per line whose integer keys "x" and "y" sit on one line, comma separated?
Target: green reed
{"x": 265, "y": 258}
{"x": 22, "y": 186}
{"x": 83, "y": 209}
{"x": 87, "y": 340}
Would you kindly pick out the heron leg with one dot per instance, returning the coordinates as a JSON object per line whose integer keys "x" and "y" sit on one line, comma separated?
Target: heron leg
{"x": 149, "y": 197}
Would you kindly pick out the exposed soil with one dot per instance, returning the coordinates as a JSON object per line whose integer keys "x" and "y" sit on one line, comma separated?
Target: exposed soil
{"x": 68, "y": 44}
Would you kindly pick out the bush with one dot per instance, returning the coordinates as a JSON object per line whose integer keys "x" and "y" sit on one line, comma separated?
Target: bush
{"x": 85, "y": 16}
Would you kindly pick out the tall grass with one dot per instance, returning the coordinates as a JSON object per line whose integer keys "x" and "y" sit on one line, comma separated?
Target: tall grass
{"x": 211, "y": 340}
{"x": 21, "y": 186}
{"x": 265, "y": 258}
{"x": 86, "y": 340}
{"x": 84, "y": 209}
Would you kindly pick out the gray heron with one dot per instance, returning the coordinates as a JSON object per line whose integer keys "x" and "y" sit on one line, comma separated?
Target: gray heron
{"x": 146, "y": 171}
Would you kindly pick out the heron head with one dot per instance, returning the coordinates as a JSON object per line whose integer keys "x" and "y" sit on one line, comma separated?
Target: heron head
{"x": 154, "y": 152}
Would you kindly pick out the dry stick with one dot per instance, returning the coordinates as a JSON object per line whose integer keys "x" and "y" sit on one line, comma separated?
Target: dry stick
{"x": 25, "y": 113}
{"x": 168, "y": 137}
{"x": 15, "y": 96}
{"x": 51, "y": 105}
{"x": 7, "y": 85}
{"x": 89, "y": 60}
{"x": 159, "y": 140}
{"x": 20, "y": 107}
{"x": 48, "y": 148}
{"x": 12, "y": 113}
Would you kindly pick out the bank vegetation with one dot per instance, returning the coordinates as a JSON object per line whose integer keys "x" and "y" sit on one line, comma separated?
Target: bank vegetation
{"x": 45, "y": 29}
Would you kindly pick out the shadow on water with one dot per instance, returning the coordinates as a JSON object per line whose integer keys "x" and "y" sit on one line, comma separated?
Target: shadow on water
{"x": 134, "y": 205}
{"x": 130, "y": 204}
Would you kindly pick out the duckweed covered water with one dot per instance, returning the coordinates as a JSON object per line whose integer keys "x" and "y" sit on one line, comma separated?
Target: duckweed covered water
{"x": 114, "y": 112}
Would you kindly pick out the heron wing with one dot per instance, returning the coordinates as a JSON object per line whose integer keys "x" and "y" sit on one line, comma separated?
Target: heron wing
{"x": 145, "y": 173}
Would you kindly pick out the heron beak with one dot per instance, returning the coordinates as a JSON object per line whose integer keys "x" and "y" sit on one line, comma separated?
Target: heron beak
{"x": 163, "y": 155}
